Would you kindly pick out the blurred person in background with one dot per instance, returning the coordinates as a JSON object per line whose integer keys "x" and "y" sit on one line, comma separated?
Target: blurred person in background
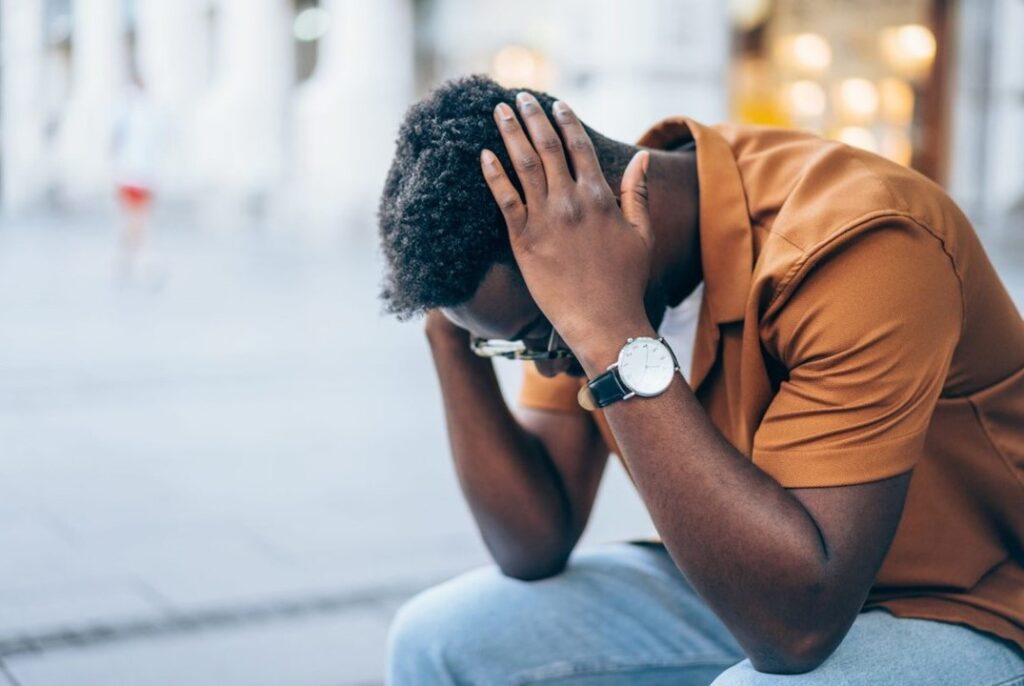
{"x": 836, "y": 472}
{"x": 137, "y": 139}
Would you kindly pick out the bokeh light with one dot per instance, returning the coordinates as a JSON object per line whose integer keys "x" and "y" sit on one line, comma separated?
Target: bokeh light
{"x": 909, "y": 49}
{"x": 858, "y": 99}
{"x": 518, "y": 66}
{"x": 897, "y": 100}
{"x": 895, "y": 145}
{"x": 311, "y": 24}
{"x": 748, "y": 14}
{"x": 858, "y": 137}
{"x": 805, "y": 99}
{"x": 807, "y": 53}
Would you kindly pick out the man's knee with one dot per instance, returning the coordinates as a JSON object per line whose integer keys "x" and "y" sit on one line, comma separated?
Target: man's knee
{"x": 424, "y": 628}
{"x": 744, "y": 674}
{"x": 413, "y": 643}
{"x": 740, "y": 674}
{"x": 437, "y": 635}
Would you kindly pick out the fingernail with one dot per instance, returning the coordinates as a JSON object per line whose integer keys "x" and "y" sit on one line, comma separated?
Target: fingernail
{"x": 525, "y": 100}
{"x": 561, "y": 110}
{"x": 487, "y": 156}
{"x": 504, "y": 111}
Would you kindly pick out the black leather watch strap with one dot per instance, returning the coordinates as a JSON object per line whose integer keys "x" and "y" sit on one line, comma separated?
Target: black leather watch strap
{"x": 607, "y": 388}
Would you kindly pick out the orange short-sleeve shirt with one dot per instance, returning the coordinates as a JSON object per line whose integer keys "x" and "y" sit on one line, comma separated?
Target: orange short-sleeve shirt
{"x": 853, "y": 328}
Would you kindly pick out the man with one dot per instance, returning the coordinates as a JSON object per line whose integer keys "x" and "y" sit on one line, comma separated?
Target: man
{"x": 856, "y": 359}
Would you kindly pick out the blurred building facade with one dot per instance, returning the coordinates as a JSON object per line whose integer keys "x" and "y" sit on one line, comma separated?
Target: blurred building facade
{"x": 288, "y": 108}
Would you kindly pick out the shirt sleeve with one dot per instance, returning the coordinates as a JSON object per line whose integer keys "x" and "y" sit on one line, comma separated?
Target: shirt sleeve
{"x": 867, "y": 337}
{"x": 558, "y": 393}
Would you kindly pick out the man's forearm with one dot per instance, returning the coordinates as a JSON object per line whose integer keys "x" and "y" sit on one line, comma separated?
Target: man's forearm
{"x": 786, "y": 570}
{"x": 746, "y": 544}
{"x": 511, "y": 485}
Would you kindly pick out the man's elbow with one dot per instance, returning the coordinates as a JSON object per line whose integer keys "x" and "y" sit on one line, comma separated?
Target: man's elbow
{"x": 539, "y": 558}
{"x": 524, "y": 569}
{"x": 796, "y": 654}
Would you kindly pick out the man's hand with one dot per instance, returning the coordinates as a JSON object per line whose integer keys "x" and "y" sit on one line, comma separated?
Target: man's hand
{"x": 586, "y": 262}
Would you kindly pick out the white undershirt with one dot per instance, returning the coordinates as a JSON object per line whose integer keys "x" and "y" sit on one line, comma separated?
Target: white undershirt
{"x": 679, "y": 328}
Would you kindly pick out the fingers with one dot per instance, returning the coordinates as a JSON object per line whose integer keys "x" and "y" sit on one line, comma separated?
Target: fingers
{"x": 525, "y": 159}
{"x": 634, "y": 193}
{"x": 545, "y": 141}
{"x": 581, "y": 149}
{"x": 505, "y": 194}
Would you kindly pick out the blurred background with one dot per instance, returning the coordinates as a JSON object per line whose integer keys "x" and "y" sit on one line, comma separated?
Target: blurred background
{"x": 219, "y": 464}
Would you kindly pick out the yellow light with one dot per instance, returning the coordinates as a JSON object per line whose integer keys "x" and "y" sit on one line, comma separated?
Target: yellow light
{"x": 805, "y": 99}
{"x": 756, "y": 100}
{"x": 811, "y": 52}
{"x": 858, "y": 137}
{"x": 858, "y": 99}
{"x": 910, "y": 48}
{"x": 897, "y": 99}
{"x": 518, "y": 66}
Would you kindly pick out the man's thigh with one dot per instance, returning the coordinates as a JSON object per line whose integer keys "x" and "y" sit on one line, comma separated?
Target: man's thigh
{"x": 883, "y": 650}
{"x": 618, "y": 614}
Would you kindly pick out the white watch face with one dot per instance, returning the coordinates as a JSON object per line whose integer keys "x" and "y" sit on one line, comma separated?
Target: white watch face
{"x": 646, "y": 366}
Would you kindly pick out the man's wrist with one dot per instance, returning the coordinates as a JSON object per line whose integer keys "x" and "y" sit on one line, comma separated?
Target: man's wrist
{"x": 601, "y": 348}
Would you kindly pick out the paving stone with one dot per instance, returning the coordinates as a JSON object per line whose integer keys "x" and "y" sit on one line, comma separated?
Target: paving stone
{"x": 46, "y": 609}
{"x": 315, "y": 651}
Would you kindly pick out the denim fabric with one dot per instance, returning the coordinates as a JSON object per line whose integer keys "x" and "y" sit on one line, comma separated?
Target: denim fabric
{"x": 623, "y": 614}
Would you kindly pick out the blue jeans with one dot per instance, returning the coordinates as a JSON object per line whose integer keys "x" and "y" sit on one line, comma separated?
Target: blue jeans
{"x": 623, "y": 614}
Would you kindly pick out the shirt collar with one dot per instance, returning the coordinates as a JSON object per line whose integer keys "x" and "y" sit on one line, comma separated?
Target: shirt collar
{"x": 726, "y": 245}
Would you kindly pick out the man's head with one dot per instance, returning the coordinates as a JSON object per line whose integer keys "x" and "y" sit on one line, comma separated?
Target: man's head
{"x": 442, "y": 233}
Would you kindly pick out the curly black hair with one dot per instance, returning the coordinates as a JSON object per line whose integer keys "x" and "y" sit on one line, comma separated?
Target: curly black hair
{"x": 440, "y": 228}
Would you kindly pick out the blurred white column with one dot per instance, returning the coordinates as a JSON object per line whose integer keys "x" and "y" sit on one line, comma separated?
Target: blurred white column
{"x": 97, "y": 76}
{"x": 240, "y": 124}
{"x": 628, "y": 64}
{"x": 987, "y": 158}
{"x": 171, "y": 51}
{"x": 347, "y": 113}
{"x": 23, "y": 172}
{"x": 1006, "y": 124}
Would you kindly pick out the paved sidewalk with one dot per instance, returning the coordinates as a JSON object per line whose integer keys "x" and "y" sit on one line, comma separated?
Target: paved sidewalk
{"x": 230, "y": 473}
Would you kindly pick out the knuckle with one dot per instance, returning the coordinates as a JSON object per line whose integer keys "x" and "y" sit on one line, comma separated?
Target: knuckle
{"x": 529, "y": 163}
{"x": 598, "y": 196}
{"x": 526, "y": 244}
{"x": 508, "y": 203}
{"x": 550, "y": 144}
{"x": 579, "y": 143}
{"x": 571, "y": 211}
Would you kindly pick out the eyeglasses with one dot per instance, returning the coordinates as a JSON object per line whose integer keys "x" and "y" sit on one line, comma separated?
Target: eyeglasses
{"x": 517, "y": 350}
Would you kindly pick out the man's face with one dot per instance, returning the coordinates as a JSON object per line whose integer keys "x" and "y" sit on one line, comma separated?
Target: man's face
{"x": 502, "y": 308}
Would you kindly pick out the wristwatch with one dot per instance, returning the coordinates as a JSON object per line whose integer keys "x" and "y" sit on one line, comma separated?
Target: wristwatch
{"x": 646, "y": 367}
